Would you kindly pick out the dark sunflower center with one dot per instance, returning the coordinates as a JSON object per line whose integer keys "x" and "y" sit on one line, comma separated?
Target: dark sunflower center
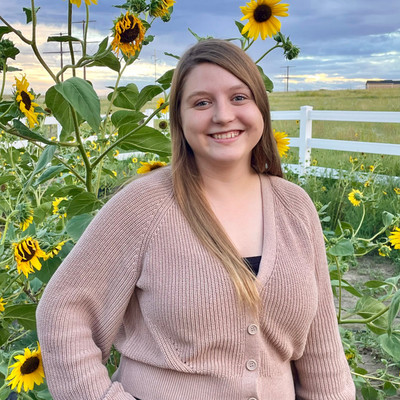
{"x": 30, "y": 365}
{"x": 262, "y": 13}
{"x": 132, "y": 33}
{"x": 24, "y": 253}
{"x": 26, "y": 100}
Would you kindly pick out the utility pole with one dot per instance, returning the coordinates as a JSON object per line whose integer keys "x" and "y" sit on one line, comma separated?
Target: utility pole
{"x": 155, "y": 65}
{"x": 83, "y": 22}
{"x": 287, "y": 75}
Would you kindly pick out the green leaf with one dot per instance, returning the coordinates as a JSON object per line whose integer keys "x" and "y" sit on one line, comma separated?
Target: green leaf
{"x": 102, "y": 46}
{"x": 269, "y": 86}
{"x": 369, "y": 393}
{"x": 387, "y": 218}
{"x": 125, "y": 117}
{"x": 82, "y": 97}
{"x": 77, "y": 225}
{"x": 69, "y": 190}
{"x": 28, "y": 13}
{"x": 166, "y": 79}
{"x": 367, "y": 307}
{"x": 147, "y": 140}
{"x": 28, "y": 134}
{"x": 24, "y": 313}
{"x": 375, "y": 284}
{"x": 109, "y": 60}
{"x": 48, "y": 268}
{"x": 50, "y": 172}
{"x": 6, "y": 178}
{"x": 4, "y": 30}
{"x": 126, "y": 97}
{"x": 4, "y": 335}
{"x": 146, "y": 94}
{"x": 172, "y": 55}
{"x": 45, "y": 158}
{"x": 391, "y": 344}
{"x": 394, "y": 309}
{"x": 65, "y": 38}
{"x": 342, "y": 248}
{"x": 83, "y": 203}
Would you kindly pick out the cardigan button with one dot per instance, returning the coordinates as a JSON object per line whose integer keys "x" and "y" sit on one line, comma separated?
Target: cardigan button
{"x": 252, "y": 329}
{"x": 251, "y": 365}
{"x": 252, "y": 398}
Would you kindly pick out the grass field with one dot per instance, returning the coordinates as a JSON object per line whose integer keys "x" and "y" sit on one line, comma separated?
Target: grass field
{"x": 346, "y": 100}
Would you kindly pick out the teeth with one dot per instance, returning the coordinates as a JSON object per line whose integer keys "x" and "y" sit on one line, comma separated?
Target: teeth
{"x": 227, "y": 135}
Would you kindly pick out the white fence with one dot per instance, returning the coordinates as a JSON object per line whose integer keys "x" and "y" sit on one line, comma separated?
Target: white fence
{"x": 305, "y": 142}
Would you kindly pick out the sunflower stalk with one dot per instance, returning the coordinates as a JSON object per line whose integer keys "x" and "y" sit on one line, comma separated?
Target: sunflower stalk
{"x": 34, "y": 45}
{"x": 3, "y": 83}
{"x": 269, "y": 51}
{"x": 81, "y": 148}
{"x": 70, "y": 45}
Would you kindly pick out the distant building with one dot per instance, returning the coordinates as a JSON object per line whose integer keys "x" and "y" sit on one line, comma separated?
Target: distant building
{"x": 384, "y": 84}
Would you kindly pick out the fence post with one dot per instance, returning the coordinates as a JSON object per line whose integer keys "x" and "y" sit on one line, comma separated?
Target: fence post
{"x": 305, "y": 136}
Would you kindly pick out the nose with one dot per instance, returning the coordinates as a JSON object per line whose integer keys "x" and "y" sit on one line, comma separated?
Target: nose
{"x": 223, "y": 112}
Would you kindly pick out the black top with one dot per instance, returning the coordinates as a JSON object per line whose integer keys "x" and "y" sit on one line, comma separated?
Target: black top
{"x": 253, "y": 263}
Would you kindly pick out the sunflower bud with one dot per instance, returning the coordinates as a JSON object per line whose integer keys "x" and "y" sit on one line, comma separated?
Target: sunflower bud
{"x": 24, "y": 215}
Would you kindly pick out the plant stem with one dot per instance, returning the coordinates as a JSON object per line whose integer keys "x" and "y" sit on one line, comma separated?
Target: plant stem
{"x": 71, "y": 47}
{"x": 101, "y": 156}
{"x": 86, "y": 30}
{"x": 361, "y": 221}
{"x": 372, "y": 377}
{"x": 339, "y": 316}
{"x": 3, "y": 83}
{"x": 34, "y": 46}
{"x": 364, "y": 321}
{"x": 81, "y": 148}
{"x": 272, "y": 48}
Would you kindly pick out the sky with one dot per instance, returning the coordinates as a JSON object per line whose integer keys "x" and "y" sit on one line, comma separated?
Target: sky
{"x": 343, "y": 43}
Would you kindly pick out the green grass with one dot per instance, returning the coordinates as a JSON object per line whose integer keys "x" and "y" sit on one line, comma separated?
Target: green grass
{"x": 346, "y": 100}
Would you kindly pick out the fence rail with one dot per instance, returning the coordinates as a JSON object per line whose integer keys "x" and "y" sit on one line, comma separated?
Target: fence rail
{"x": 305, "y": 142}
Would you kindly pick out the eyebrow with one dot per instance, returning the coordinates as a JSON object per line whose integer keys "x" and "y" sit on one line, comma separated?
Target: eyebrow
{"x": 240, "y": 86}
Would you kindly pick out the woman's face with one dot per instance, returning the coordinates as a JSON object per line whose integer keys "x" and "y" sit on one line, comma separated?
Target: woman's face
{"x": 220, "y": 119}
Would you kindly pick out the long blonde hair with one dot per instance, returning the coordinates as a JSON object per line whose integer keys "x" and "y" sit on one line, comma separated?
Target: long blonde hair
{"x": 186, "y": 178}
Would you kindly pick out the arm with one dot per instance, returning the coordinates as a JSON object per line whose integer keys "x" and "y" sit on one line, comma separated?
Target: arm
{"x": 83, "y": 305}
{"x": 323, "y": 372}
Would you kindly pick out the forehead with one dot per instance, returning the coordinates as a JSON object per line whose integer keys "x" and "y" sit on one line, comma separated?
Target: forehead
{"x": 209, "y": 77}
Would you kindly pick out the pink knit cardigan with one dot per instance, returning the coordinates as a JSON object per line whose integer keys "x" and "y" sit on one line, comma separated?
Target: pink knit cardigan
{"x": 140, "y": 279}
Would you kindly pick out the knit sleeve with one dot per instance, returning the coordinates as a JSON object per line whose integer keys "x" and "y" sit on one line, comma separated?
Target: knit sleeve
{"x": 82, "y": 308}
{"x": 323, "y": 372}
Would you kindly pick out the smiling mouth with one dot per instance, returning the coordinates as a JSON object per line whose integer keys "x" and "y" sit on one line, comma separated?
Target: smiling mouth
{"x": 226, "y": 135}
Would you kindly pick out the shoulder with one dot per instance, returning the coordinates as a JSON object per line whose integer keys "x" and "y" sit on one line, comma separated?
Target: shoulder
{"x": 291, "y": 197}
{"x": 145, "y": 191}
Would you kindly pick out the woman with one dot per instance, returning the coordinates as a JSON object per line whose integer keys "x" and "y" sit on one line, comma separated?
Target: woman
{"x": 209, "y": 276}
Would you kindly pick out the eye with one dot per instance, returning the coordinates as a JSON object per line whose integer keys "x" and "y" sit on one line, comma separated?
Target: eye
{"x": 202, "y": 103}
{"x": 239, "y": 97}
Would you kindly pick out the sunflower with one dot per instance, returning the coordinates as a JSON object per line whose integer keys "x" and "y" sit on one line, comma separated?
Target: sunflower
{"x": 2, "y": 304}
{"x": 27, "y": 254}
{"x": 160, "y": 103}
{"x": 159, "y": 8}
{"x": 55, "y": 250}
{"x": 56, "y": 203}
{"x": 78, "y": 2}
{"x": 24, "y": 215}
{"x": 27, "y": 371}
{"x": 128, "y": 34}
{"x": 25, "y": 100}
{"x": 282, "y": 141}
{"x": 395, "y": 238}
{"x": 149, "y": 166}
{"x": 262, "y": 17}
{"x": 355, "y": 197}
{"x": 397, "y": 190}
{"x": 384, "y": 251}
